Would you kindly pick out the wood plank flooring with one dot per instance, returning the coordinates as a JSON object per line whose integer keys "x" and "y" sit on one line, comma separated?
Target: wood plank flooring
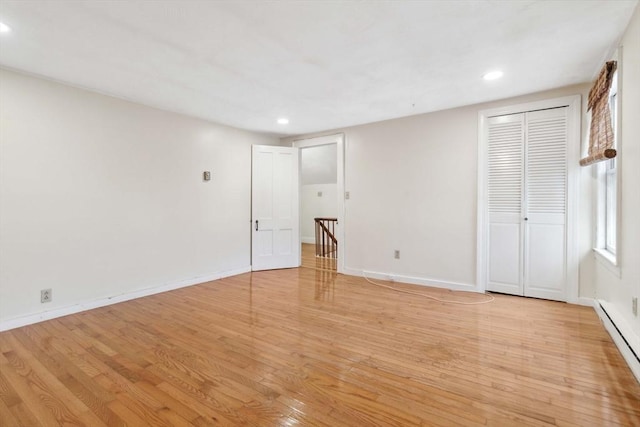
{"x": 309, "y": 347}
{"x": 310, "y": 260}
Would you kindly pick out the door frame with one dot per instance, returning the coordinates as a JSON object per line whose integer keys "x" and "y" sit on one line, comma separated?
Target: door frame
{"x": 328, "y": 140}
{"x": 573, "y": 186}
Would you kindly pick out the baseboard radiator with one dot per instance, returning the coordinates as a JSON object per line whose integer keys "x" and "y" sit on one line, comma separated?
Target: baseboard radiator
{"x": 630, "y": 354}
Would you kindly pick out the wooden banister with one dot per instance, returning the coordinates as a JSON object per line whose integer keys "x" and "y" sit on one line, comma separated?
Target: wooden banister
{"x": 326, "y": 242}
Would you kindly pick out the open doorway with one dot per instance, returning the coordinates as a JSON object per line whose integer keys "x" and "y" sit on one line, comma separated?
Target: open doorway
{"x": 319, "y": 206}
{"x": 322, "y": 202}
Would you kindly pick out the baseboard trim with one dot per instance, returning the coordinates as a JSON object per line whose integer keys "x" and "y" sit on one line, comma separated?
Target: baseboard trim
{"x": 617, "y": 328}
{"x": 587, "y": 302}
{"x": 422, "y": 281}
{"x": 30, "y": 319}
{"x": 311, "y": 240}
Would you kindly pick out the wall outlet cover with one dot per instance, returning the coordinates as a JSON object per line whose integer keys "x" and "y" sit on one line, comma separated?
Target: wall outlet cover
{"x": 45, "y": 295}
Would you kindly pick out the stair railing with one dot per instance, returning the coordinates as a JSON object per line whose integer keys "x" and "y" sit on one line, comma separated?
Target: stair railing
{"x": 326, "y": 242}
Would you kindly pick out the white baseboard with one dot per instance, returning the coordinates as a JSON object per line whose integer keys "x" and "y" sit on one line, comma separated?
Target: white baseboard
{"x": 30, "y": 319}
{"x": 621, "y": 333}
{"x": 423, "y": 281}
{"x": 311, "y": 240}
{"x": 588, "y": 302}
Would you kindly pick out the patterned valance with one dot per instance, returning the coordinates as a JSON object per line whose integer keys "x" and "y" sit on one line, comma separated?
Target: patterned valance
{"x": 601, "y": 138}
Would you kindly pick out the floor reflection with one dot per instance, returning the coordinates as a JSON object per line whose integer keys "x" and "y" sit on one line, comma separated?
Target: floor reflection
{"x": 325, "y": 272}
{"x": 310, "y": 260}
{"x": 325, "y": 284}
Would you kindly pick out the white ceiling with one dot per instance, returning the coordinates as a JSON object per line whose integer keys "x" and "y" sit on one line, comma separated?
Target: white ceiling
{"x": 322, "y": 64}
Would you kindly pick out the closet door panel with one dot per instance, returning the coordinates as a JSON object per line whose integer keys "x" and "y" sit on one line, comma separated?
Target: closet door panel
{"x": 545, "y": 265}
{"x": 545, "y": 204}
{"x": 505, "y": 258}
{"x": 505, "y": 137}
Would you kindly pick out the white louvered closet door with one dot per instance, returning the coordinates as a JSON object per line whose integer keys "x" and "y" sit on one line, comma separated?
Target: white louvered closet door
{"x": 545, "y": 204}
{"x": 527, "y": 198}
{"x": 505, "y": 196}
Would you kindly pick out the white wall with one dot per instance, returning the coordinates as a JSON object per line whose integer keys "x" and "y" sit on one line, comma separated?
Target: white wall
{"x": 319, "y": 165}
{"x": 618, "y": 291}
{"x": 413, "y": 187}
{"x": 313, "y": 206}
{"x": 100, "y": 197}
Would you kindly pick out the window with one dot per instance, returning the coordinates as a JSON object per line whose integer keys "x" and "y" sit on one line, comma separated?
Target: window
{"x": 610, "y": 206}
{"x": 608, "y": 189}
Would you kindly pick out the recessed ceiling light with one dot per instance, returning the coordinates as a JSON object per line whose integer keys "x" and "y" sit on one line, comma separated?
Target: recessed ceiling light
{"x": 493, "y": 75}
{"x": 4, "y": 28}
{"x": 283, "y": 121}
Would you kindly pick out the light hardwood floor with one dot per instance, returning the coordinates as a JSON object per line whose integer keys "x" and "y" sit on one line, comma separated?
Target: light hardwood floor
{"x": 309, "y": 347}
{"x": 310, "y": 260}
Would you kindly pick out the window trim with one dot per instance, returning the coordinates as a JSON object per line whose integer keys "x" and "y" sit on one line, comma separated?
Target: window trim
{"x": 610, "y": 178}
{"x": 609, "y": 259}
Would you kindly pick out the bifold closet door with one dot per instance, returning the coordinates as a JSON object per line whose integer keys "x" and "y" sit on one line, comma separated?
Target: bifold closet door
{"x": 505, "y": 180}
{"x": 545, "y": 208}
{"x": 527, "y": 197}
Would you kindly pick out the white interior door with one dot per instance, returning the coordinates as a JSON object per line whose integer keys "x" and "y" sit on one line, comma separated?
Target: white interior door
{"x": 505, "y": 149}
{"x": 527, "y": 203}
{"x": 275, "y": 235}
{"x": 545, "y": 238}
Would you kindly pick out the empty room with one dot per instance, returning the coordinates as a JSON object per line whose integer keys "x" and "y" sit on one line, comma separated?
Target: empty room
{"x": 319, "y": 213}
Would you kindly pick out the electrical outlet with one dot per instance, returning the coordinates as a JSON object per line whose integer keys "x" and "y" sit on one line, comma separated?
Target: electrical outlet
{"x": 319, "y": 193}
{"x": 347, "y": 195}
{"x": 396, "y": 254}
{"x": 206, "y": 176}
{"x": 634, "y": 305}
{"x": 45, "y": 295}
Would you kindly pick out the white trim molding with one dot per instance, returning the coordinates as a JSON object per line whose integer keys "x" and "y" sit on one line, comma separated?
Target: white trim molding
{"x": 607, "y": 261}
{"x": 623, "y": 336}
{"x": 29, "y": 319}
{"x": 587, "y": 302}
{"x": 573, "y": 191}
{"x": 422, "y": 281}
